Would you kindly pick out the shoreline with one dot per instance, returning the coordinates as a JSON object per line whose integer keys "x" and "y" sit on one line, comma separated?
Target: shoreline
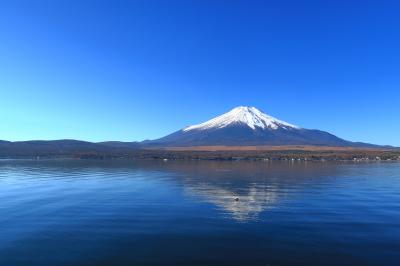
{"x": 318, "y": 154}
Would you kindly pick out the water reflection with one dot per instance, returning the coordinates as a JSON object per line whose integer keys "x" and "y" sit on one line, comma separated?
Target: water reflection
{"x": 245, "y": 189}
{"x": 66, "y": 212}
{"x": 242, "y": 206}
{"x": 241, "y": 190}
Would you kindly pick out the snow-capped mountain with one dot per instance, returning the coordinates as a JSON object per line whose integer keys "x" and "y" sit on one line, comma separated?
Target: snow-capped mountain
{"x": 250, "y": 116}
{"x": 243, "y": 126}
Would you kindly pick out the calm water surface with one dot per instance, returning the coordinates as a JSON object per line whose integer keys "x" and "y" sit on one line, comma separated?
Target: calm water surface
{"x": 66, "y": 212}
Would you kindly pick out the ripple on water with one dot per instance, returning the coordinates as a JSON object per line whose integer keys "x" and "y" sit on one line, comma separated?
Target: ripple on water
{"x": 76, "y": 212}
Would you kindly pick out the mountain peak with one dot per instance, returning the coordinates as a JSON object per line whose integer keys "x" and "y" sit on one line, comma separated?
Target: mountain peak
{"x": 243, "y": 115}
{"x": 248, "y": 126}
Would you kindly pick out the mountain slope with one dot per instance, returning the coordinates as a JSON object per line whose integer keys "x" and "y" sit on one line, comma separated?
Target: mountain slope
{"x": 243, "y": 126}
{"x": 63, "y": 147}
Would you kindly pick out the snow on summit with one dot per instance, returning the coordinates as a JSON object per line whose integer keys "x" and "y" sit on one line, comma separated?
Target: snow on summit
{"x": 250, "y": 116}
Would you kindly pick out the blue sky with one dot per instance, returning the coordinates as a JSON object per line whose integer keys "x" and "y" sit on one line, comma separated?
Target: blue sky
{"x": 134, "y": 70}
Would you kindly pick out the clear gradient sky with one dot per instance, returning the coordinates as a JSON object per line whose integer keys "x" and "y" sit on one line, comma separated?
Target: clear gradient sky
{"x": 134, "y": 70}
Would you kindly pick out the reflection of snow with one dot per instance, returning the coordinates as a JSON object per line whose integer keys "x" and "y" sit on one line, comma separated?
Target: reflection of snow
{"x": 251, "y": 201}
{"x": 258, "y": 185}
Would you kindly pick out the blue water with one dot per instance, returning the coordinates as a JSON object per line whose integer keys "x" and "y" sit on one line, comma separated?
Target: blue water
{"x": 77, "y": 212}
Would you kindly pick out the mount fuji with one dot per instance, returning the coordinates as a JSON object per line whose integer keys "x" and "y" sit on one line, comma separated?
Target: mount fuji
{"x": 248, "y": 126}
{"x": 242, "y": 129}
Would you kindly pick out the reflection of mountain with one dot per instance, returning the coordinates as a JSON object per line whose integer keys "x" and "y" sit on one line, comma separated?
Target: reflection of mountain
{"x": 259, "y": 186}
{"x": 243, "y": 205}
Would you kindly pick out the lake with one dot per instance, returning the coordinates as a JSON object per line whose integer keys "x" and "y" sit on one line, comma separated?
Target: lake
{"x": 88, "y": 212}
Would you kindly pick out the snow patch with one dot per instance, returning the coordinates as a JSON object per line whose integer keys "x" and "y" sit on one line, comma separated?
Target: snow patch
{"x": 249, "y": 116}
